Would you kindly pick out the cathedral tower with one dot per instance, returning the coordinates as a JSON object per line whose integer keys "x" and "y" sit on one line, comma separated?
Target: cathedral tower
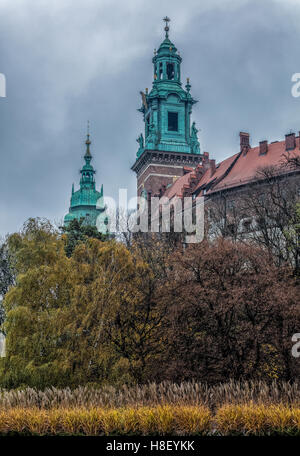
{"x": 169, "y": 142}
{"x": 87, "y": 203}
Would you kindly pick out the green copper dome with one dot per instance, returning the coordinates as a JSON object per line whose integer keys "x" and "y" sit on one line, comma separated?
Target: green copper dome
{"x": 167, "y": 108}
{"x": 87, "y": 202}
{"x": 167, "y": 47}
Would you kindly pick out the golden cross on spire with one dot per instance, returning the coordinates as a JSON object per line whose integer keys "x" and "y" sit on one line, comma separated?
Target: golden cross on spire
{"x": 167, "y": 20}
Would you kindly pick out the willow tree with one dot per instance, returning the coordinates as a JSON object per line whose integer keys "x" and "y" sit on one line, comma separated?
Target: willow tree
{"x": 33, "y": 306}
{"x": 92, "y": 317}
{"x": 115, "y": 313}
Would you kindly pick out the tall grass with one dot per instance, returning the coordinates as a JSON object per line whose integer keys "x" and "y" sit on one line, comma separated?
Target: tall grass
{"x": 247, "y": 419}
{"x": 154, "y": 409}
{"x": 161, "y": 420}
{"x": 152, "y": 394}
{"x": 258, "y": 419}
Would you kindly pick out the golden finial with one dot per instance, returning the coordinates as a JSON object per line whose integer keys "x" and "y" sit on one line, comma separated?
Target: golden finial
{"x": 146, "y": 90}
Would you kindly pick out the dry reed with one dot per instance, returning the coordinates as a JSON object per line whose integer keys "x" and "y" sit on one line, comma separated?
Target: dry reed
{"x": 189, "y": 408}
{"x": 152, "y": 394}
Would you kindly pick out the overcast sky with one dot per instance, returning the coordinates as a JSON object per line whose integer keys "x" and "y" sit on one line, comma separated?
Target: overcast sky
{"x": 69, "y": 61}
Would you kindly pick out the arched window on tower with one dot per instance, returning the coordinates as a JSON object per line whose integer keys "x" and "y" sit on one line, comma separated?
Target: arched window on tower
{"x": 170, "y": 71}
{"x": 160, "y": 71}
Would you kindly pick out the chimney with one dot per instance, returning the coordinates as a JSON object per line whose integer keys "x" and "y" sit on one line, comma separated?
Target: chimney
{"x": 205, "y": 156}
{"x": 205, "y": 161}
{"x": 244, "y": 142}
{"x": 290, "y": 141}
{"x": 263, "y": 147}
{"x": 199, "y": 171}
{"x": 212, "y": 167}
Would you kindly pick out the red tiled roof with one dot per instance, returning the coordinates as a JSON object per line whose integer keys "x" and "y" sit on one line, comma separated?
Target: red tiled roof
{"x": 236, "y": 170}
{"x": 246, "y": 167}
{"x": 221, "y": 169}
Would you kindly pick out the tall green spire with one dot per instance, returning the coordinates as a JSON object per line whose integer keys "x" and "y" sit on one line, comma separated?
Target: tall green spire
{"x": 87, "y": 202}
{"x": 167, "y": 108}
{"x": 87, "y": 171}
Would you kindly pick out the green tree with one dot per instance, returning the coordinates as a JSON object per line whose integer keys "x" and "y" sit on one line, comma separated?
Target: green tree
{"x": 91, "y": 317}
{"x": 7, "y": 274}
{"x": 34, "y": 305}
{"x": 77, "y": 231}
{"x": 112, "y": 334}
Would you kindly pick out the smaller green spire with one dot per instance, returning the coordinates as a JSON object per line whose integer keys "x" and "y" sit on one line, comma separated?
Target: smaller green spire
{"x": 87, "y": 202}
{"x": 87, "y": 171}
{"x": 88, "y": 155}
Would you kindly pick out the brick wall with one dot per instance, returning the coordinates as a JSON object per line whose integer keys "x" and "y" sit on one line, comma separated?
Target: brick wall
{"x": 156, "y": 176}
